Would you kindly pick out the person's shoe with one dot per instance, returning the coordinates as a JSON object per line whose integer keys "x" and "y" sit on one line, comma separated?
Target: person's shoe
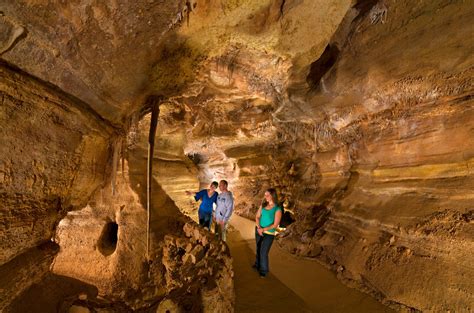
{"x": 262, "y": 275}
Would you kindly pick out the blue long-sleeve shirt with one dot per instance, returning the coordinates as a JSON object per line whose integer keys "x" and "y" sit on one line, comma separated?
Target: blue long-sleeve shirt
{"x": 206, "y": 201}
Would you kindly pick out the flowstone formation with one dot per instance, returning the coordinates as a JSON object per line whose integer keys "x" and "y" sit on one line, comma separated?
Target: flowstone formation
{"x": 360, "y": 113}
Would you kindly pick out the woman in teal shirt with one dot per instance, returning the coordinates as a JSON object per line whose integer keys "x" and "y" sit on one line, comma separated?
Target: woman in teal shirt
{"x": 267, "y": 220}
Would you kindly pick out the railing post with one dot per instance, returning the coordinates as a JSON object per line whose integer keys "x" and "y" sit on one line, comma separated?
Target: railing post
{"x": 151, "y": 145}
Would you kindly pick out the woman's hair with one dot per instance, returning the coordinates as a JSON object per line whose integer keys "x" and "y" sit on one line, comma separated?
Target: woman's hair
{"x": 215, "y": 184}
{"x": 274, "y": 195}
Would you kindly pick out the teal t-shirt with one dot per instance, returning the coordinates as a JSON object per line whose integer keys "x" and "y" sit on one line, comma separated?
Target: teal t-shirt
{"x": 268, "y": 217}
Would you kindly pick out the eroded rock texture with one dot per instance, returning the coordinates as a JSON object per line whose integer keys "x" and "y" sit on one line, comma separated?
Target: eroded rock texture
{"x": 99, "y": 52}
{"x": 394, "y": 153}
{"x": 104, "y": 245}
{"x": 370, "y": 143}
{"x": 359, "y": 112}
{"x": 54, "y": 153}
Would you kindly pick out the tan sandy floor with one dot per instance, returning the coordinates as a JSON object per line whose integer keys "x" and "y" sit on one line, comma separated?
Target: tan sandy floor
{"x": 294, "y": 284}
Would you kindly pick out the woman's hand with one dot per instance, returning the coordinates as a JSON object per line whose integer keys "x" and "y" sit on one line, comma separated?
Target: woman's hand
{"x": 257, "y": 217}
{"x": 260, "y": 231}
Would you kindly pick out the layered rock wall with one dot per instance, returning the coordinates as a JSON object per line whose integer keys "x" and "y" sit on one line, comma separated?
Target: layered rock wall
{"x": 105, "y": 243}
{"x": 368, "y": 143}
{"x": 360, "y": 113}
{"x": 55, "y": 154}
{"x": 23, "y": 271}
{"x": 393, "y": 206}
{"x": 101, "y": 53}
{"x": 174, "y": 171}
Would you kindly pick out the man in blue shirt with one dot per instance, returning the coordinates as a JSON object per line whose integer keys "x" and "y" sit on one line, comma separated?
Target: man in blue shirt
{"x": 208, "y": 197}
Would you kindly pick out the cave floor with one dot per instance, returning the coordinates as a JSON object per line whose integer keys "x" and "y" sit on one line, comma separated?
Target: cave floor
{"x": 293, "y": 285}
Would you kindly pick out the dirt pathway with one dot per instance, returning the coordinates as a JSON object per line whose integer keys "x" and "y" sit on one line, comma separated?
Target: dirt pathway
{"x": 294, "y": 284}
{"x": 254, "y": 294}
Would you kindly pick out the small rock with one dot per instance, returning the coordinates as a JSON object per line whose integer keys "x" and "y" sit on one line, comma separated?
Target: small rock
{"x": 182, "y": 243}
{"x": 205, "y": 241}
{"x": 82, "y": 296}
{"x": 315, "y": 251}
{"x": 168, "y": 306}
{"x": 340, "y": 269}
{"x": 169, "y": 240}
{"x": 197, "y": 235}
{"x": 188, "y": 230}
{"x": 198, "y": 252}
{"x": 392, "y": 240}
{"x": 56, "y": 53}
{"x": 78, "y": 309}
{"x": 188, "y": 257}
{"x": 306, "y": 237}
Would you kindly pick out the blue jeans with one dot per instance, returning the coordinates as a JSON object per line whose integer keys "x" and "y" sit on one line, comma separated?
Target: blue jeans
{"x": 205, "y": 219}
{"x": 264, "y": 243}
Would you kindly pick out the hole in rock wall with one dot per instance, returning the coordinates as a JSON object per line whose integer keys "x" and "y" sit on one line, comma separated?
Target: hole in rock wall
{"x": 321, "y": 66}
{"x": 196, "y": 158}
{"x": 286, "y": 219}
{"x": 364, "y": 6}
{"x": 108, "y": 239}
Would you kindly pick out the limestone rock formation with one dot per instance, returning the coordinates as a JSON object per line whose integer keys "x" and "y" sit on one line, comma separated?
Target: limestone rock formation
{"x": 58, "y": 155}
{"x": 366, "y": 144}
{"x": 359, "y": 112}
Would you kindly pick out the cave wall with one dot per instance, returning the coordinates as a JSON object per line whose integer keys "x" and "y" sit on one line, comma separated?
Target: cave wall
{"x": 254, "y": 51}
{"x": 105, "y": 243}
{"x": 360, "y": 113}
{"x": 186, "y": 266}
{"x": 392, "y": 137}
{"x": 369, "y": 143}
{"x": 81, "y": 72}
{"x": 173, "y": 170}
{"x": 55, "y": 153}
{"x": 25, "y": 270}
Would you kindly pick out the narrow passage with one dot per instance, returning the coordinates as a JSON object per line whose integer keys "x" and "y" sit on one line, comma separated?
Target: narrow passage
{"x": 294, "y": 284}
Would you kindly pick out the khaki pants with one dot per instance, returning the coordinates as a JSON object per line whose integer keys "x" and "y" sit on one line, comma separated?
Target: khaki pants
{"x": 220, "y": 230}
